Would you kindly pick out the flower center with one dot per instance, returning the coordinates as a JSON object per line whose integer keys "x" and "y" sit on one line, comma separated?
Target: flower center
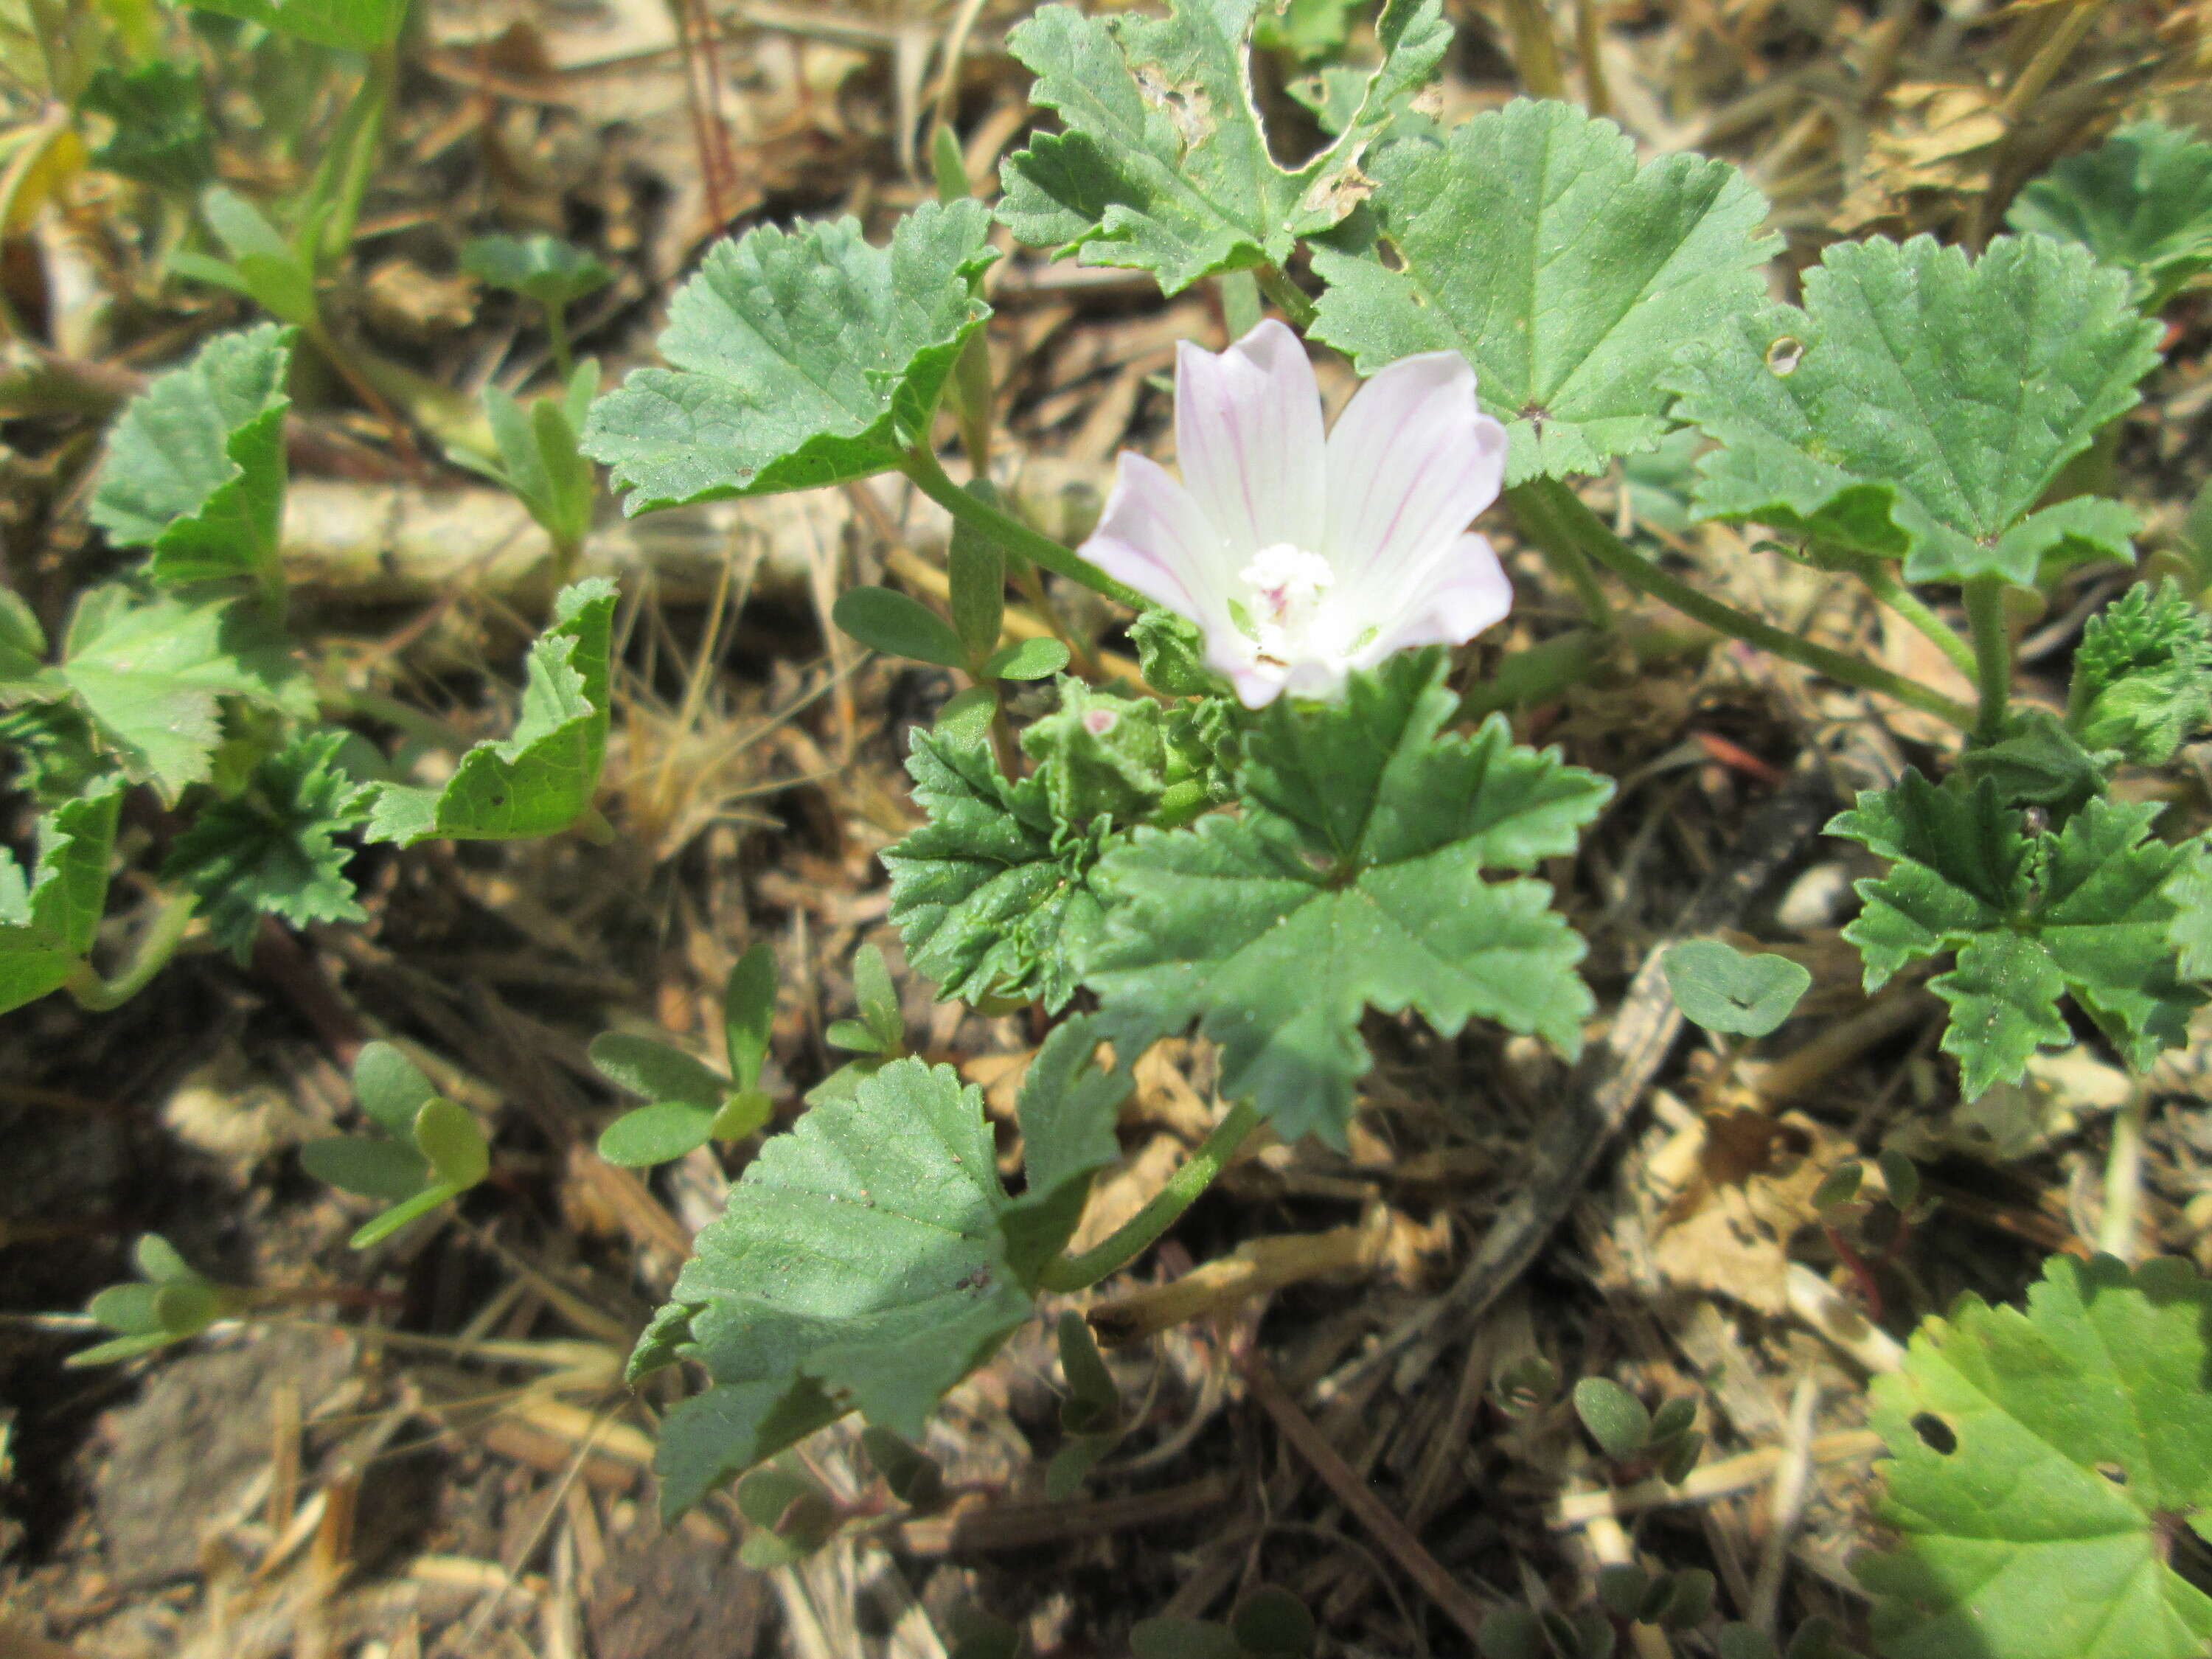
{"x": 1286, "y": 584}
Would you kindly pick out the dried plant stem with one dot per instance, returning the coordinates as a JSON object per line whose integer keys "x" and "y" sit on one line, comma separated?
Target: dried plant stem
{"x": 1793, "y": 1484}
{"x": 2116, "y": 1231}
{"x": 1536, "y": 53}
{"x": 1135, "y": 1236}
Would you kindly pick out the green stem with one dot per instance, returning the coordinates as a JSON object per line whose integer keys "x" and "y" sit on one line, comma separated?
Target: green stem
{"x": 1009, "y": 532}
{"x": 2116, "y": 1231}
{"x": 1549, "y": 669}
{"x": 1992, "y": 637}
{"x": 362, "y": 138}
{"x": 1134, "y": 1236}
{"x": 426, "y": 729}
{"x": 1287, "y": 295}
{"x": 1596, "y": 539}
{"x": 1532, "y": 512}
{"x": 1902, "y": 599}
{"x": 154, "y": 948}
{"x": 556, "y": 337}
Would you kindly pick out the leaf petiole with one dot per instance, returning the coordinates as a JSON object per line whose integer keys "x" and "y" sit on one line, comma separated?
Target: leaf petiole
{"x": 1985, "y": 619}
{"x": 1905, "y": 603}
{"x": 1288, "y": 294}
{"x": 155, "y": 946}
{"x": 921, "y": 466}
{"x": 1134, "y": 1236}
{"x": 1596, "y": 539}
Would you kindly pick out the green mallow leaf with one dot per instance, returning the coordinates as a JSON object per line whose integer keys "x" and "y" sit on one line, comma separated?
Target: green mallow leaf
{"x": 860, "y": 1266}
{"x": 798, "y": 358}
{"x": 353, "y": 25}
{"x": 883, "y": 619}
{"x": 1921, "y": 405}
{"x": 196, "y": 464}
{"x": 2032, "y": 917}
{"x": 2042, "y": 1463}
{"x": 1352, "y": 879}
{"x": 162, "y": 136}
{"x": 2142, "y": 675}
{"x": 2141, "y": 200}
{"x": 543, "y": 268}
{"x": 1099, "y": 754}
{"x": 1723, "y": 989}
{"x": 49, "y": 918}
{"x": 878, "y": 1000}
{"x": 2189, "y": 889}
{"x": 1164, "y": 164}
{"x": 992, "y": 894}
{"x": 539, "y": 782}
{"x": 150, "y": 675}
{"x": 272, "y": 849}
{"x": 1530, "y": 240}
{"x": 1066, "y": 1109}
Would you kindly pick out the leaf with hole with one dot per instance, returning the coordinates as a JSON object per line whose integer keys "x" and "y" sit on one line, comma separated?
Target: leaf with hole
{"x": 2043, "y": 1462}
{"x": 1921, "y": 404}
{"x": 1162, "y": 163}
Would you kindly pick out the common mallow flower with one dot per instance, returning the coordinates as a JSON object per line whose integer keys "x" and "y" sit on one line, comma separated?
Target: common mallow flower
{"x": 1302, "y": 558}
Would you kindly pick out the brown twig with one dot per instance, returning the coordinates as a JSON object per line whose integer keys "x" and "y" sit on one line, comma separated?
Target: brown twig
{"x": 1459, "y": 1603}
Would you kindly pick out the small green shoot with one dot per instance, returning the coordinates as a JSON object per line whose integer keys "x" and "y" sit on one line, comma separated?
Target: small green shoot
{"x": 430, "y": 1151}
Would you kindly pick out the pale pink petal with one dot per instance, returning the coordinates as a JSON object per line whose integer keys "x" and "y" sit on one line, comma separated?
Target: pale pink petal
{"x": 1249, "y": 439}
{"x": 1152, "y": 537}
{"x": 1412, "y": 460}
{"x": 1459, "y": 594}
{"x": 1257, "y": 684}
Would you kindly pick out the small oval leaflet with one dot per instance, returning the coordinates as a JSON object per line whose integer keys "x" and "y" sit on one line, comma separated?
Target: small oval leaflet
{"x": 1723, "y": 990}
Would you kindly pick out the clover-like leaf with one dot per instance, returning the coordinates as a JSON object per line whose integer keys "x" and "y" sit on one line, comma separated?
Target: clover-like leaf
{"x": 150, "y": 675}
{"x": 860, "y": 1266}
{"x": 430, "y": 1150}
{"x": 684, "y": 1097}
{"x": 541, "y": 268}
{"x": 271, "y": 271}
{"x": 797, "y": 358}
{"x": 2042, "y": 1463}
{"x": 1531, "y": 240}
{"x": 993, "y": 895}
{"x": 196, "y": 464}
{"x": 49, "y": 919}
{"x": 2141, "y": 200}
{"x": 2083, "y": 910}
{"x": 272, "y": 849}
{"x": 1723, "y": 989}
{"x": 1163, "y": 164}
{"x": 170, "y": 1301}
{"x": 354, "y": 25}
{"x": 1922, "y": 403}
{"x": 539, "y": 782}
{"x": 1275, "y": 929}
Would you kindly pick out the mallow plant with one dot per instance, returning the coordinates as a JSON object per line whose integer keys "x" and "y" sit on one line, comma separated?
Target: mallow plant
{"x": 1289, "y": 824}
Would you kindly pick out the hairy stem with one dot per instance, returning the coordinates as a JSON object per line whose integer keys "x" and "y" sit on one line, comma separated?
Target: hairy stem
{"x": 1531, "y": 511}
{"x": 1900, "y": 598}
{"x": 1992, "y": 637}
{"x": 1287, "y": 295}
{"x": 2116, "y": 1232}
{"x": 154, "y": 948}
{"x": 1596, "y": 539}
{"x": 1009, "y": 532}
{"x": 1134, "y": 1236}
